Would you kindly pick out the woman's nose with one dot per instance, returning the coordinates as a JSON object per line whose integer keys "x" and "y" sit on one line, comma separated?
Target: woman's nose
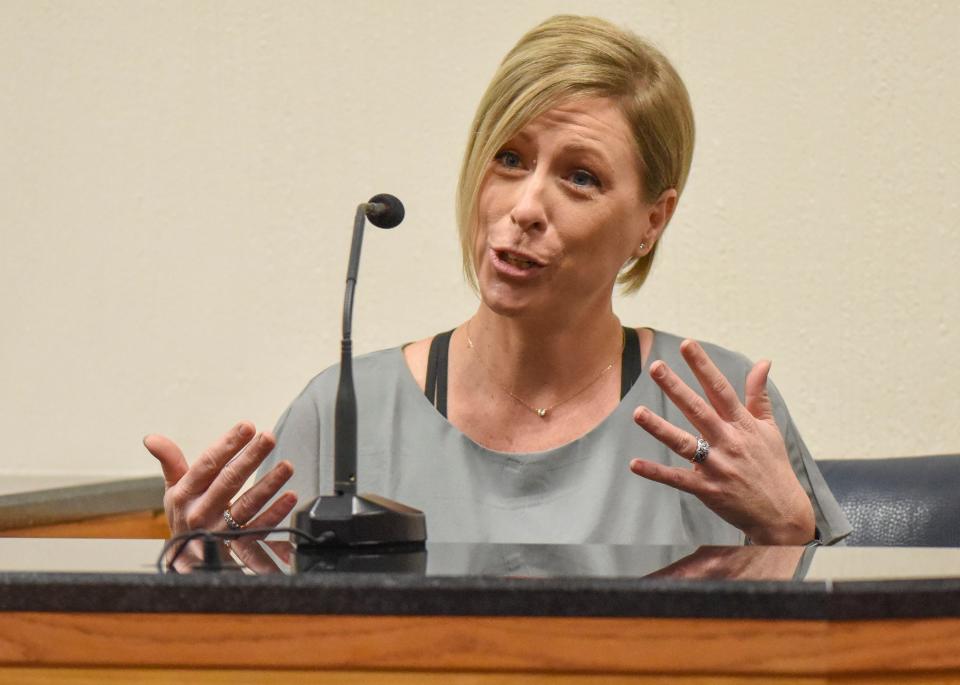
{"x": 529, "y": 210}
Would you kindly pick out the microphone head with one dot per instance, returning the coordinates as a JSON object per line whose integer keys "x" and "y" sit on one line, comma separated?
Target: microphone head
{"x": 384, "y": 210}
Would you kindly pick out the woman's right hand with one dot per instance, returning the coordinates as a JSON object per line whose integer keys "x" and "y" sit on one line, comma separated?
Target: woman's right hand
{"x": 196, "y": 496}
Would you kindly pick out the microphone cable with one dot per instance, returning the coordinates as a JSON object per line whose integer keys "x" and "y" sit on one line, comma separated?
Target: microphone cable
{"x": 211, "y": 555}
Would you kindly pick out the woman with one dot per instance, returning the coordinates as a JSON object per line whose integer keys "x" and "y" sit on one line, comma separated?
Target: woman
{"x": 520, "y": 424}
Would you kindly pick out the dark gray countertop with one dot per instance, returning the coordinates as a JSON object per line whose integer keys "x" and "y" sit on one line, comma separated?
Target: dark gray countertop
{"x": 374, "y": 594}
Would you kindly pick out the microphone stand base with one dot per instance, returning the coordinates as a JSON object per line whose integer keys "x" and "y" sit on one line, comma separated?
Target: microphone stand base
{"x": 361, "y": 522}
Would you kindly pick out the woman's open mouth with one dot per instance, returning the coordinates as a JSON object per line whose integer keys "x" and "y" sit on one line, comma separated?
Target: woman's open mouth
{"x": 514, "y": 263}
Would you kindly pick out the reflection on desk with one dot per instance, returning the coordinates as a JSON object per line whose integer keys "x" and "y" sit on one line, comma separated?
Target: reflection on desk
{"x": 476, "y": 579}
{"x": 815, "y": 564}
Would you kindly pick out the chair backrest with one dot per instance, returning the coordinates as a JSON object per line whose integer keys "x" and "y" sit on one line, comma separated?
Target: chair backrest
{"x": 899, "y": 502}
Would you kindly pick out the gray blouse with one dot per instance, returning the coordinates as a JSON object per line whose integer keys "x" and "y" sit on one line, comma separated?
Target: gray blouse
{"x": 580, "y": 492}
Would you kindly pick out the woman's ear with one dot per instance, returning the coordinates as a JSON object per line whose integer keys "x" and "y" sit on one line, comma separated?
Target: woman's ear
{"x": 657, "y": 216}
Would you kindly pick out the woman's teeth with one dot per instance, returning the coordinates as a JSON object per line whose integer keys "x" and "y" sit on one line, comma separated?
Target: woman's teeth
{"x": 516, "y": 261}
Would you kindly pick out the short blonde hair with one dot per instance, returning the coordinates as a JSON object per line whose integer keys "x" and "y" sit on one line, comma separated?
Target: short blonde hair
{"x": 569, "y": 56}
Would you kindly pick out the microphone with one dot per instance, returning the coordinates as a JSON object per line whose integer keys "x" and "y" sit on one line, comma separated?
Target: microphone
{"x": 346, "y": 519}
{"x": 384, "y": 211}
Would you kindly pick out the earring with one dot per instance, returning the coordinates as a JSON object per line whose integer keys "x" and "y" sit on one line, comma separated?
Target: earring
{"x": 642, "y": 245}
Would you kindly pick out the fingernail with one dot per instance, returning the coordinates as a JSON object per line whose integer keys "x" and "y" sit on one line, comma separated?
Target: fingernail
{"x": 657, "y": 370}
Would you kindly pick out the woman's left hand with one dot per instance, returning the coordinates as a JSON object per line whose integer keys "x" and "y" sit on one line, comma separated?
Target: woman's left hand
{"x": 746, "y": 478}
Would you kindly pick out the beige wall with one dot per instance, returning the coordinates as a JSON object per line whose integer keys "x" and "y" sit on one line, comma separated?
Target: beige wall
{"x": 177, "y": 182}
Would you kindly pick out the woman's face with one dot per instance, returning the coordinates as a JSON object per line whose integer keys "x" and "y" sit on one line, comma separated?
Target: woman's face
{"x": 560, "y": 211}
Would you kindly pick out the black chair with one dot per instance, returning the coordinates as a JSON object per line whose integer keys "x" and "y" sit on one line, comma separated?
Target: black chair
{"x": 900, "y": 502}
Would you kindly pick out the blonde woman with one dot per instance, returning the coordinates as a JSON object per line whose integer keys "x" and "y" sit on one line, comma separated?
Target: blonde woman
{"x": 543, "y": 418}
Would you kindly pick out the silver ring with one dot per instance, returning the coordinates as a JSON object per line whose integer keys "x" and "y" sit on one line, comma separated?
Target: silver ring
{"x": 703, "y": 449}
{"x": 231, "y": 522}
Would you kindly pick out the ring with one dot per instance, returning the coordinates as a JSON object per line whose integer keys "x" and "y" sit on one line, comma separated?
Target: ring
{"x": 703, "y": 449}
{"x": 231, "y": 522}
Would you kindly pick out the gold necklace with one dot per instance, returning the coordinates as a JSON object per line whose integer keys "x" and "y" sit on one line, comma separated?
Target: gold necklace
{"x": 543, "y": 411}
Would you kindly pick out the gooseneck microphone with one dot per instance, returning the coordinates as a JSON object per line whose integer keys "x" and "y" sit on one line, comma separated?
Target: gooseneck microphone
{"x": 345, "y": 519}
{"x": 384, "y": 211}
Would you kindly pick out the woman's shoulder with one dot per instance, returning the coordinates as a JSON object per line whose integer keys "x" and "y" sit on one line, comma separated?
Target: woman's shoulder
{"x": 416, "y": 356}
{"x": 378, "y": 366}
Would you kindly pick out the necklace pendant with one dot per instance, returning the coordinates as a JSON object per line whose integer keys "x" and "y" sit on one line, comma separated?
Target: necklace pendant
{"x": 541, "y": 413}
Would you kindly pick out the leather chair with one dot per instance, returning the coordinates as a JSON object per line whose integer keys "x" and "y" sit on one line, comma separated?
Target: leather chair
{"x": 899, "y": 502}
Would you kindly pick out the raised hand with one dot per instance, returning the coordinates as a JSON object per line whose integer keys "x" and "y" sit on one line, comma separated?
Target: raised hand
{"x": 196, "y": 496}
{"x": 746, "y": 477}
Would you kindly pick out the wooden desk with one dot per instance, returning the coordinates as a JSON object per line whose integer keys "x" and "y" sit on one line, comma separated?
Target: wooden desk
{"x": 389, "y": 649}
{"x": 370, "y": 628}
{"x": 82, "y": 506}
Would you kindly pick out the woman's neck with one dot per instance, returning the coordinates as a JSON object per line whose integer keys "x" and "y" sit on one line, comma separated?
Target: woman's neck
{"x": 543, "y": 359}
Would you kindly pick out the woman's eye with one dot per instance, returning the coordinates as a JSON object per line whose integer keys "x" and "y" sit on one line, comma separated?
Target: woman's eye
{"x": 584, "y": 179}
{"x": 509, "y": 159}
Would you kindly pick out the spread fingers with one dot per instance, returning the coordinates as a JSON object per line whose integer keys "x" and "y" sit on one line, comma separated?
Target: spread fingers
{"x": 681, "y": 479}
{"x": 253, "y": 500}
{"x": 276, "y": 512}
{"x": 697, "y": 410}
{"x": 715, "y": 385}
{"x": 210, "y": 464}
{"x": 234, "y": 475}
{"x": 680, "y": 441}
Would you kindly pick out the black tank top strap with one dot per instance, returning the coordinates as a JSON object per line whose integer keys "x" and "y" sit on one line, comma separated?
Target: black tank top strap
{"x": 630, "y": 365}
{"x": 436, "y": 386}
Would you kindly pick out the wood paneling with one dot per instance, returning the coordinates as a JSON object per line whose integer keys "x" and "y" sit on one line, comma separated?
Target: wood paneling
{"x": 137, "y": 524}
{"x": 496, "y": 644}
{"x": 179, "y": 676}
